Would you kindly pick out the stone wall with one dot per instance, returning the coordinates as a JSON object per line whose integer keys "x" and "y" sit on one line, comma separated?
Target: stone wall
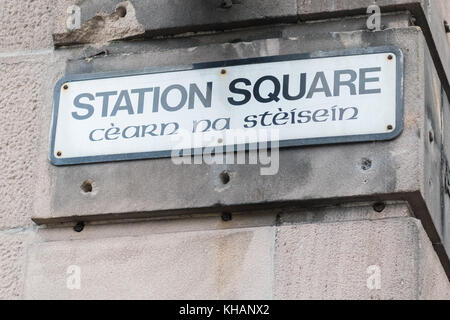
{"x": 154, "y": 230}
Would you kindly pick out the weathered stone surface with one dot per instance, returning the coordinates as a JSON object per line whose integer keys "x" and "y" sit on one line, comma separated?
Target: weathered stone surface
{"x": 330, "y": 7}
{"x": 12, "y": 264}
{"x": 25, "y": 24}
{"x": 432, "y": 284}
{"x": 314, "y": 253}
{"x": 104, "y": 27}
{"x": 281, "y": 253}
{"x": 234, "y": 264}
{"x": 332, "y": 260}
{"x": 434, "y": 168}
{"x": 162, "y": 17}
{"x": 21, "y": 102}
{"x": 429, "y": 15}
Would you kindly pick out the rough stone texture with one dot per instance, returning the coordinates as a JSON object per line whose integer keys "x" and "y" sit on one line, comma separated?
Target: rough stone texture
{"x": 429, "y": 14}
{"x": 21, "y": 100}
{"x": 180, "y": 16}
{"x": 432, "y": 146}
{"x": 400, "y": 167}
{"x": 314, "y": 253}
{"x": 446, "y": 160}
{"x": 25, "y": 24}
{"x": 324, "y": 251}
{"x": 104, "y": 27}
{"x": 233, "y": 264}
{"x": 436, "y": 12}
{"x": 330, "y": 261}
{"x": 12, "y": 264}
{"x": 431, "y": 283}
{"x": 330, "y": 7}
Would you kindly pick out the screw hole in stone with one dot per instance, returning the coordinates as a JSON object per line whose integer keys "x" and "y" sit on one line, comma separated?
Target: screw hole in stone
{"x": 227, "y": 216}
{"x": 121, "y": 11}
{"x": 225, "y": 177}
{"x": 79, "y": 227}
{"x": 87, "y": 186}
{"x": 431, "y": 136}
{"x": 446, "y": 26}
{"x": 379, "y": 206}
{"x": 366, "y": 164}
{"x": 226, "y": 4}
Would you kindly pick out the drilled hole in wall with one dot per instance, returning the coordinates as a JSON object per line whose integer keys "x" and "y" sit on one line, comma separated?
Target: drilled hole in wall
{"x": 226, "y": 216}
{"x": 226, "y": 4}
{"x": 79, "y": 227}
{"x": 87, "y": 186}
{"x": 379, "y": 206}
{"x": 431, "y": 136}
{"x": 366, "y": 164}
{"x": 121, "y": 11}
{"x": 99, "y": 21}
{"x": 224, "y": 177}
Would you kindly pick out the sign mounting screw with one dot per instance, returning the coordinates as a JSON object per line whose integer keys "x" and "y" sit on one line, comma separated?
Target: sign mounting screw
{"x": 79, "y": 227}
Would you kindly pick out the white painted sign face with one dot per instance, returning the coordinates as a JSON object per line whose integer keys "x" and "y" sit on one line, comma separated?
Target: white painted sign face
{"x": 292, "y": 100}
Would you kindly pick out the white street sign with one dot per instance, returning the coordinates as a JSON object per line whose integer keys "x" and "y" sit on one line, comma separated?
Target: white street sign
{"x": 294, "y": 100}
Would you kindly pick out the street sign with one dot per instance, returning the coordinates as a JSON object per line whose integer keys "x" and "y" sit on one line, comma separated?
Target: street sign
{"x": 286, "y": 101}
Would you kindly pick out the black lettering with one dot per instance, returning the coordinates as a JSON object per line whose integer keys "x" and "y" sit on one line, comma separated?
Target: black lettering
{"x": 118, "y": 106}
{"x": 135, "y": 134}
{"x": 353, "y": 117}
{"x": 307, "y": 116}
{"x": 320, "y": 76}
{"x": 141, "y": 98}
{"x": 183, "y": 99}
{"x": 363, "y": 80}
{"x": 338, "y": 82}
{"x": 165, "y": 125}
{"x": 105, "y": 96}
{"x": 247, "y": 95}
{"x": 145, "y": 132}
{"x": 91, "y": 135}
{"x": 247, "y": 120}
{"x": 302, "y": 89}
{"x": 207, "y": 127}
{"x": 195, "y": 91}
{"x": 273, "y": 96}
{"x": 225, "y": 126}
{"x": 321, "y": 113}
{"x": 88, "y": 107}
